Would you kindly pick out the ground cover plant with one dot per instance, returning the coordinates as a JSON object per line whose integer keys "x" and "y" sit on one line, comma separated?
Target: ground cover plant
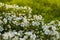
{"x": 18, "y": 23}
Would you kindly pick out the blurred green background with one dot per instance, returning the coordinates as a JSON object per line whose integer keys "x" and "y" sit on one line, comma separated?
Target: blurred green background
{"x": 49, "y": 9}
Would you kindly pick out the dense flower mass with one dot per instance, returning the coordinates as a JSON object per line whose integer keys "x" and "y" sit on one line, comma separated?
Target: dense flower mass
{"x": 17, "y": 23}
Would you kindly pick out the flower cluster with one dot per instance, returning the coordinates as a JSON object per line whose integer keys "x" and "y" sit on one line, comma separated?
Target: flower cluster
{"x": 17, "y": 23}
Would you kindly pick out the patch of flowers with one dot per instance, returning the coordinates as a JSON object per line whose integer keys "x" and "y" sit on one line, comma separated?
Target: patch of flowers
{"x": 17, "y": 23}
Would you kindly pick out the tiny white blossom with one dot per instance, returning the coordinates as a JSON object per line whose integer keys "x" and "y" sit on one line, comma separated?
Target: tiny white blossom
{"x": 15, "y": 38}
{"x": 22, "y": 39}
{"x": 48, "y": 32}
{"x": 25, "y": 23}
{"x": 39, "y": 17}
{"x": 9, "y": 26}
{"x": 9, "y": 18}
{"x": 54, "y": 28}
{"x": 1, "y": 4}
{"x": 33, "y": 37}
{"x": 20, "y": 33}
{"x": 28, "y": 33}
{"x": 59, "y": 23}
{"x": 5, "y": 20}
{"x": 1, "y": 29}
{"x": 11, "y": 34}
{"x": 5, "y": 36}
{"x": 35, "y": 23}
{"x": 52, "y": 22}
{"x": 9, "y": 6}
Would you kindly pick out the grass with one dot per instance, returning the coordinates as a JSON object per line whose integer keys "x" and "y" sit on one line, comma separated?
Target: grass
{"x": 49, "y": 9}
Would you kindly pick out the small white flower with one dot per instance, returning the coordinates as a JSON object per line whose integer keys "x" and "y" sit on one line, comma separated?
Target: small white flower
{"x": 18, "y": 18}
{"x": 9, "y": 6}
{"x": 9, "y": 26}
{"x": 26, "y": 37}
{"x": 5, "y": 20}
{"x": 47, "y": 32}
{"x": 11, "y": 34}
{"x": 22, "y": 39}
{"x": 59, "y": 23}
{"x": 20, "y": 33}
{"x": 54, "y": 28}
{"x": 33, "y": 37}
{"x": 5, "y": 36}
{"x": 1, "y": 4}
{"x": 28, "y": 33}
{"x": 57, "y": 35}
{"x": 15, "y": 38}
{"x": 52, "y": 22}
{"x": 35, "y": 23}
{"x": 25, "y": 23}
{"x": 39, "y": 17}
{"x": 16, "y": 23}
{"x": 10, "y": 18}
{"x": 1, "y": 29}
{"x": 49, "y": 29}
{"x": 16, "y": 6}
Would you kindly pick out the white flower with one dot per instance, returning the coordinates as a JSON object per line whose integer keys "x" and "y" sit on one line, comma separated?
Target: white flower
{"x": 25, "y": 23}
{"x": 22, "y": 39}
{"x": 28, "y": 33}
{"x": 25, "y": 36}
{"x": 11, "y": 34}
{"x": 57, "y": 35}
{"x": 1, "y": 29}
{"x": 5, "y": 20}
{"x": 35, "y": 23}
{"x": 47, "y": 32}
{"x": 59, "y": 23}
{"x": 9, "y": 6}
{"x": 15, "y": 38}
{"x": 49, "y": 29}
{"x": 45, "y": 27}
{"x": 20, "y": 33}
{"x": 52, "y": 22}
{"x": 33, "y": 37}
{"x": 18, "y": 18}
{"x": 14, "y": 32}
{"x": 25, "y": 7}
{"x": 16, "y": 6}
{"x": 10, "y": 18}
{"x": 54, "y": 32}
{"x": 54, "y": 28}
{"x": 39, "y": 17}
{"x": 16, "y": 23}
{"x": 5, "y": 36}
{"x": 9, "y": 26}
{"x": 1, "y": 4}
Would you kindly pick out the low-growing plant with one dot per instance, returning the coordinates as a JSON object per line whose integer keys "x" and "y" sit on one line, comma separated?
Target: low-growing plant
{"x": 18, "y": 23}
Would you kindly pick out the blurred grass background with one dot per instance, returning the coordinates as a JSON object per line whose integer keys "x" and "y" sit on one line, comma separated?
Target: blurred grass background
{"x": 49, "y": 9}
